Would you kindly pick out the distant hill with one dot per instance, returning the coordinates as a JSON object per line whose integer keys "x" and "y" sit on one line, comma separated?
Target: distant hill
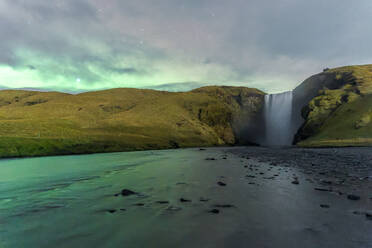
{"x": 337, "y": 107}
{"x": 36, "y": 123}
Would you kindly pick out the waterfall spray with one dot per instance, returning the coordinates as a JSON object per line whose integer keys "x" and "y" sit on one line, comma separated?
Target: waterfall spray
{"x": 278, "y": 115}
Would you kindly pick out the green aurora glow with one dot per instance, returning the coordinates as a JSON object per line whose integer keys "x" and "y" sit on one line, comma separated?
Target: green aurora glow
{"x": 78, "y": 45}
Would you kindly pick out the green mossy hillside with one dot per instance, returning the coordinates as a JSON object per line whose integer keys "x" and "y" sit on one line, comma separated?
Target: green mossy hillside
{"x": 52, "y": 123}
{"x": 340, "y": 114}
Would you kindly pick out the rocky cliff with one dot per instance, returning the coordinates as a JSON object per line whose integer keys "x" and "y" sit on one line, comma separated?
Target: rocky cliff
{"x": 336, "y": 108}
{"x": 50, "y": 123}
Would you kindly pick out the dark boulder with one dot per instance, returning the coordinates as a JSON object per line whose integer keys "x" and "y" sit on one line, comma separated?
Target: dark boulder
{"x": 369, "y": 215}
{"x": 221, "y": 183}
{"x": 353, "y": 197}
{"x": 127, "y": 192}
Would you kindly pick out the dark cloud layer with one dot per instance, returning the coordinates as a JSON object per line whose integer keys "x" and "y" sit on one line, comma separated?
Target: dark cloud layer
{"x": 270, "y": 44}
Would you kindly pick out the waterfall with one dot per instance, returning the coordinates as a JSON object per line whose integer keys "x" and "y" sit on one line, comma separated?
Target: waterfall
{"x": 278, "y": 116}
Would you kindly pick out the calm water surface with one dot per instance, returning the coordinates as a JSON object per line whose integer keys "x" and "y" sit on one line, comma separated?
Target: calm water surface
{"x": 69, "y": 201}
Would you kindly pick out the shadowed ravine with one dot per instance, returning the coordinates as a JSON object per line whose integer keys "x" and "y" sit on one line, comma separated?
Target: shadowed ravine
{"x": 218, "y": 197}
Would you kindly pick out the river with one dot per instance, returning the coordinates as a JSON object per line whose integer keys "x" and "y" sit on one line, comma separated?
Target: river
{"x": 69, "y": 201}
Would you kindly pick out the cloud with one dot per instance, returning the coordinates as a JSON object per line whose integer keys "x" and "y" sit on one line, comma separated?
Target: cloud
{"x": 177, "y": 87}
{"x": 129, "y": 70}
{"x": 271, "y": 44}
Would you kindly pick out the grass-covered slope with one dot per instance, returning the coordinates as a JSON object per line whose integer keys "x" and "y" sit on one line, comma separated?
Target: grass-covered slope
{"x": 340, "y": 113}
{"x": 50, "y": 123}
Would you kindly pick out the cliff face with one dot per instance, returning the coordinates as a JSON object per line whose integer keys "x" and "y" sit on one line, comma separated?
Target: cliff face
{"x": 336, "y": 107}
{"x": 50, "y": 123}
{"x": 246, "y": 108}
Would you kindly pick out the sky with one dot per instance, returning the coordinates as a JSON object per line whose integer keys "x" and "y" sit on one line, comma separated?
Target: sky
{"x": 273, "y": 45}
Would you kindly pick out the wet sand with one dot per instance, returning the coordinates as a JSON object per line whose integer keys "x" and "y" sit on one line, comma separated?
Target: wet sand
{"x": 214, "y": 197}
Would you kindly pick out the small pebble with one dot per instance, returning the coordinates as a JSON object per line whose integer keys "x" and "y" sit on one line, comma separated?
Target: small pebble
{"x": 214, "y": 211}
{"x": 324, "y": 206}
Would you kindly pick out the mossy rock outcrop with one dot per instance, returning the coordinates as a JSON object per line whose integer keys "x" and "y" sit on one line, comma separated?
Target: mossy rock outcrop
{"x": 51, "y": 123}
{"x": 336, "y": 108}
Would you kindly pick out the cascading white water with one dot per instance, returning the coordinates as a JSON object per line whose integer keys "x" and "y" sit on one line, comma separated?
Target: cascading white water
{"x": 278, "y": 117}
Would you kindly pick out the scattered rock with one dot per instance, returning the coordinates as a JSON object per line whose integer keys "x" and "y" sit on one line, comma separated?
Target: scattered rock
{"x": 184, "y": 200}
{"x": 323, "y": 189}
{"x": 369, "y": 215}
{"x": 353, "y": 197}
{"x": 223, "y": 206}
{"x": 341, "y": 182}
{"x": 295, "y": 182}
{"x": 139, "y": 204}
{"x": 201, "y": 149}
{"x": 202, "y": 199}
{"x": 123, "y": 209}
{"x": 127, "y": 192}
{"x": 111, "y": 211}
{"x": 162, "y": 202}
{"x": 221, "y": 183}
{"x": 210, "y": 159}
{"x": 214, "y": 211}
{"x": 324, "y": 206}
